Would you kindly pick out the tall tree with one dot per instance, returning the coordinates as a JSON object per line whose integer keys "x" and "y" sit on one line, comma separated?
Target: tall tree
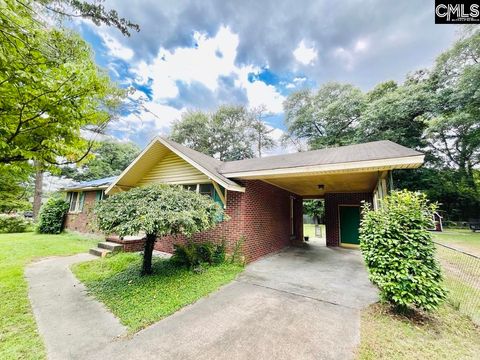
{"x": 92, "y": 10}
{"x": 328, "y": 117}
{"x": 229, "y": 133}
{"x": 261, "y": 132}
{"x": 110, "y": 158}
{"x": 398, "y": 112}
{"x": 194, "y": 130}
{"x": 16, "y": 187}
{"x": 454, "y": 132}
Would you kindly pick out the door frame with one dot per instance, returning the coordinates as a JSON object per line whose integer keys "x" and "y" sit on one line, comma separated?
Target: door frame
{"x": 346, "y": 245}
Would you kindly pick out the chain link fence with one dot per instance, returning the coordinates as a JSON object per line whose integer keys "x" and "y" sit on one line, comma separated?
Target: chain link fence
{"x": 462, "y": 279}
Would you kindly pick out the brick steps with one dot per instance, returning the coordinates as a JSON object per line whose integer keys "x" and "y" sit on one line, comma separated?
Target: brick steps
{"x": 105, "y": 248}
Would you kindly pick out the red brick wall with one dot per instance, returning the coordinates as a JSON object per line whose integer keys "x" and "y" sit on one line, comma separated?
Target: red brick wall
{"x": 261, "y": 215}
{"x": 83, "y": 221}
{"x": 332, "y": 221}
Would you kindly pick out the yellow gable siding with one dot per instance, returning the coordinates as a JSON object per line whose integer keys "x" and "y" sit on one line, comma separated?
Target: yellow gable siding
{"x": 172, "y": 169}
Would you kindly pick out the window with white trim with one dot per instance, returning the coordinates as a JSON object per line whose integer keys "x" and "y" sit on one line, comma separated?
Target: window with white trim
{"x": 76, "y": 200}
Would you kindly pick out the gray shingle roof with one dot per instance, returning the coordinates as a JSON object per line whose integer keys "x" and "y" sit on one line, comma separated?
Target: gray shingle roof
{"x": 351, "y": 153}
{"x": 92, "y": 183}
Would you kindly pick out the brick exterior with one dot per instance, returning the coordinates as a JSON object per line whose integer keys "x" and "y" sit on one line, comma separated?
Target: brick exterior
{"x": 83, "y": 221}
{"x": 261, "y": 215}
{"x": 332, "y": 220}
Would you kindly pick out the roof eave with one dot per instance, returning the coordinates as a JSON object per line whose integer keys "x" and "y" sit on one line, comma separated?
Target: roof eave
{"x": 211, "y": 176}
{"x": 413, "y": 161}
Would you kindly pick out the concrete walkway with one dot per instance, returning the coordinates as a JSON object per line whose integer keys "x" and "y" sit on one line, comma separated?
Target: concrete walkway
{"x": 298, "y": 304}
{"x": 70, "y": 322}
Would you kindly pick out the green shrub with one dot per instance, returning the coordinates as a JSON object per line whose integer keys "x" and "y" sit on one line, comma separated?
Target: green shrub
{"x": 13, "y": 224}
{"x": 399, "y": 251}
{"x": 193, "y": 255}
{"x": 219, "y": 253}
{"x": 52, "y": 216}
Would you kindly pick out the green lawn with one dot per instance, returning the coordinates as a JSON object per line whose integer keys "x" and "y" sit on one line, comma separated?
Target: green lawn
{"x": 140, "y": 301}
{"x": 462, "y": 239}
{"x": 309, "y": 230}
{"x": 445, "y": 335}
{"x": 19, "y": 338}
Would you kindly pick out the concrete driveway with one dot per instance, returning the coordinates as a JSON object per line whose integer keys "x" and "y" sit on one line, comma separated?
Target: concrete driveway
{"x": 302, "y": 303}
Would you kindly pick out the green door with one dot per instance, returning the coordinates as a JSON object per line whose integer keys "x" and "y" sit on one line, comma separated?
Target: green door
{"x": 349, "y": 224}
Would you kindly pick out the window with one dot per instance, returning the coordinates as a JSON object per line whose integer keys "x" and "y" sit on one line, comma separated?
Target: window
{"x": 100, "y": 195}
{"x": 206, "y": 189}
{"x": 76, "y": 200}
{"x": 192, "y": 187}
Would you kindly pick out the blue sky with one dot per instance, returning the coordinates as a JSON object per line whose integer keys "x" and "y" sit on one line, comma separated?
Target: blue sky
{"x": 201, "y": 54}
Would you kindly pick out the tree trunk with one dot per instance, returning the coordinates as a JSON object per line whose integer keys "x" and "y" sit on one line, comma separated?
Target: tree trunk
{"x": 37, "y": 194}
{"x": 147, "y": 254}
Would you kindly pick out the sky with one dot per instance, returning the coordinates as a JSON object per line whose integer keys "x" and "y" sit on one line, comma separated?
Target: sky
{"x": 200, "y": 54}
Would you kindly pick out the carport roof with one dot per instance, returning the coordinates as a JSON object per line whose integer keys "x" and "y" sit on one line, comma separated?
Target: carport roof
{"x": 377, "y": 150}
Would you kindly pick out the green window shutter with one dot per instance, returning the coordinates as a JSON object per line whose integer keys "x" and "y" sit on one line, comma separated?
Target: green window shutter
{"x": 82, "y": 201}
{"x": 98, "y": 195}
{"x": 217, "y": 199}
{"x": 68, "y": 197}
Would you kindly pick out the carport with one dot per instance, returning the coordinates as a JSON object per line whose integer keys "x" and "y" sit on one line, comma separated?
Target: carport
{"x": 345, "y": 177}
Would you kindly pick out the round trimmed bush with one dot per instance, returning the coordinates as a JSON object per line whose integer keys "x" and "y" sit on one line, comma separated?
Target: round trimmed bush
{"x": 13, "y": 224}
{"x": 52, "y": 216}
{"x": 399, "y": 251}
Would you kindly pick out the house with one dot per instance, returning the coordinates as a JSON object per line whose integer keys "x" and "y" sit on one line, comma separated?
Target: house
{"x": 262, "y": 196}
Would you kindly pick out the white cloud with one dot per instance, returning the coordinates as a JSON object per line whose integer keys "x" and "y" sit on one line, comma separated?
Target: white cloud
{"x": 350, "y": 56}
{"x": 299, "y": 80}
{"x": 290, "y": 86}
{"x": 305, "y": 55}
{"x": 202, "y": 64}
{"x": 114, "y": 47}
{"x": 361, "y": 45}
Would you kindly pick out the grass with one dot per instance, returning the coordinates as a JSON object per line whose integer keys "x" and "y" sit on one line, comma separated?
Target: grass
{"x": 461, "y": 239}
{"x": 19, "y": 338}
{"x": 140, "y": 301}
{"x": 309, "y": 230}
{"x": 446, "y": 334}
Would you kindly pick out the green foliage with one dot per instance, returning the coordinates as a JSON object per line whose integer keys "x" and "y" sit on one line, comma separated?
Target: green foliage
{"x": 110, "y": 159}
{"x": 237, "y": 254}
{"x": 13, "y": 224}
{"x": 230, "y": 133}
{"x": 328, "y": 117}
{"x": 314, "y": 208}
{"x": 15, "y": 188}
{"x": 193, "y": 255}
{"x": 158, "y": 209}
{"x": 52, "y": 216}
{"x": 399, "y": 251}
{"x": 50, "y": 90}
{"x": 94, "y": 11}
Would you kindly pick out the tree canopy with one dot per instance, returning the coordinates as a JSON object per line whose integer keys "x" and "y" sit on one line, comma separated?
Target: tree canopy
{"x": 436, "y": 111}
{"x": 51, "y": 91}
{"x": 157, "y": 210}
{"x": 110, "y": 158}
{"x": 230, "y": 133}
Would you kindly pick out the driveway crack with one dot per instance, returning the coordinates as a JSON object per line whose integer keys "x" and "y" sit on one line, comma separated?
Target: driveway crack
{"x": 299, "y": 295}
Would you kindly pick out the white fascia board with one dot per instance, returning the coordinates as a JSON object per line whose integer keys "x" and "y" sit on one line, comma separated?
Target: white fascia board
{"x": 413, "y": 161}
